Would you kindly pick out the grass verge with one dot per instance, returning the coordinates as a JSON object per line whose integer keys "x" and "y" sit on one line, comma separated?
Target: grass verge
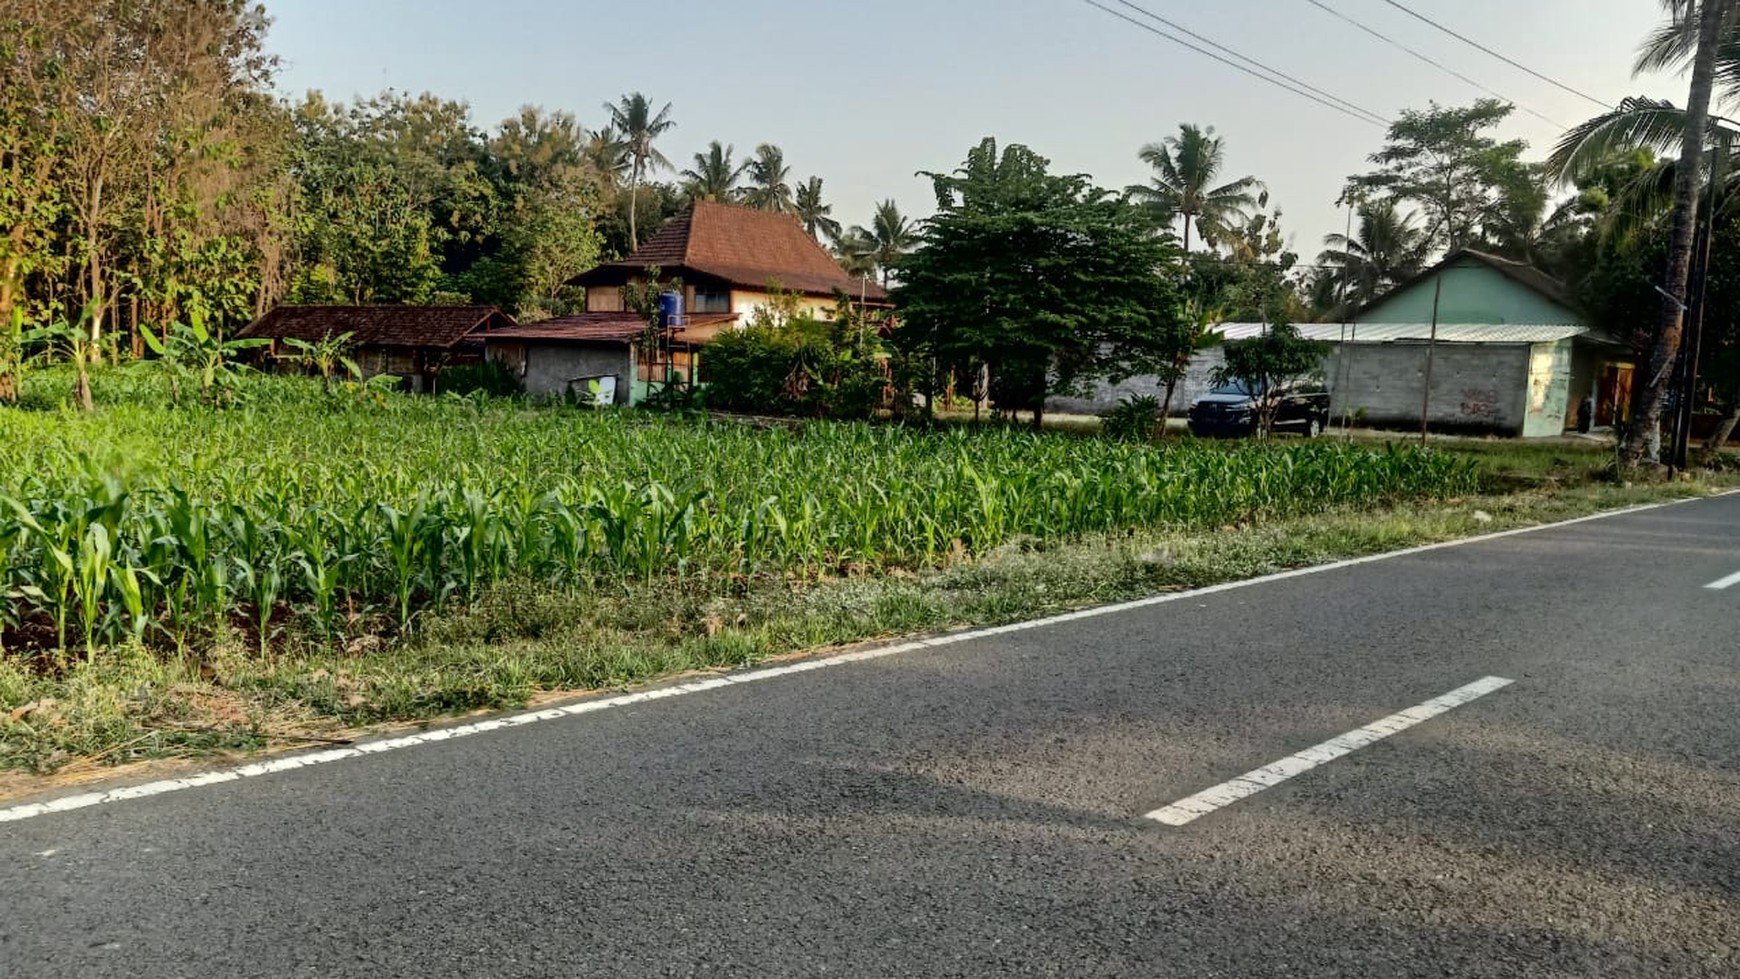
{"x": 528, "y": 641}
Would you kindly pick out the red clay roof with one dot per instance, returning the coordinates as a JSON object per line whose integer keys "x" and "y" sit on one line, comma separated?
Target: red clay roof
{"x": 595, "y": 327}
{"x": 744, "y": 247}
{"x": 378, "y": 326}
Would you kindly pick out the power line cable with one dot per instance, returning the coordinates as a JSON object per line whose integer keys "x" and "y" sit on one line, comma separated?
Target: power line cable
{"x": 1360, "y": 115}
{"x": 1465, "y": 39}
{"x": 1180, "y": 28}
{"x": 1428, "y": 60}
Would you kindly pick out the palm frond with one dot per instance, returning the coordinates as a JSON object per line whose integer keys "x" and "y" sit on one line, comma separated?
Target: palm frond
{"x": 1654, "y": 124}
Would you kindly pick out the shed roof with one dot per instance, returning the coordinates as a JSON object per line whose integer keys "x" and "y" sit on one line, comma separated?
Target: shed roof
{"x": 1403, "y": 332}
{"x": 741, "y": 246}
{"x": 595, "y": 328}
{"x": 378, "y": 326}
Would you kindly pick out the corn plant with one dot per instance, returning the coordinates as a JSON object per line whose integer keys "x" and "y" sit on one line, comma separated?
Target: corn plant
{"x": 310, "y": 513}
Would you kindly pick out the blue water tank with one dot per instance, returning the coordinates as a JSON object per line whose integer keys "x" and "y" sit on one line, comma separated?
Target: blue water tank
{"x": 670, "y": 309}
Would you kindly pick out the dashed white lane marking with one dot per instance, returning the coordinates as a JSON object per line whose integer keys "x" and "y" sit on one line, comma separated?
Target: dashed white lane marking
{"x": 292, "y": 762}
{"x": 1725, "y": 583}
{"x": 1250, "y": 783}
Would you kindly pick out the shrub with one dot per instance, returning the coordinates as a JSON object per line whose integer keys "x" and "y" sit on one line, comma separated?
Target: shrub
{"x": 1133, "y": 420}
{"x": 491, "y": 378}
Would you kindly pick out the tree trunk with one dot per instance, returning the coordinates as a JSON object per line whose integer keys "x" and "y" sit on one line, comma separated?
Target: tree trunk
{"x": 1724, "y": 431}
{"x": 82, "y": 389}
{"x": 1643, "y": 440}
{"x": 634, "y": 208}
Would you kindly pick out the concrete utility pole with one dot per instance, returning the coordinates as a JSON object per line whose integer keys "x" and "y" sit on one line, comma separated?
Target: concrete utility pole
{"x": 1431, "y": 348}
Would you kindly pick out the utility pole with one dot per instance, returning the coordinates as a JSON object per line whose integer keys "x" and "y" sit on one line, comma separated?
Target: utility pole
{"x": 1431, "y": 348}
{"x": 1692, "y": 350}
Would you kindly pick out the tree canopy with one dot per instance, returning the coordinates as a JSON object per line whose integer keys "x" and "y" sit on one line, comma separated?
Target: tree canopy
{"x": 1044, "y": 280}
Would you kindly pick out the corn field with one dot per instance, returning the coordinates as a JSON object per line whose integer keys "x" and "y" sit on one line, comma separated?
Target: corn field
{"x": 304, "y": 516}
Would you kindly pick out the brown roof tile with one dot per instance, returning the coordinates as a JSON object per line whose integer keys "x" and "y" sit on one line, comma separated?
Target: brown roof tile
{"x": 378, "y": 326}
{"x": 595, "y": 327}
{"x": 744, "y": 247}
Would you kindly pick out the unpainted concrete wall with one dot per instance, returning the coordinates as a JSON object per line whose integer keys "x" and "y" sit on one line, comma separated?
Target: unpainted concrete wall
{"x": 1105, "y": 395}
{"x": 1475, "y": 386}
{"x": 548, "y": 369}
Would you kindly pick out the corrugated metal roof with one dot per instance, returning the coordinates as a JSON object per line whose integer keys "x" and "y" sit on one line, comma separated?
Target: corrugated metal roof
{"x": 1406, "y": 332}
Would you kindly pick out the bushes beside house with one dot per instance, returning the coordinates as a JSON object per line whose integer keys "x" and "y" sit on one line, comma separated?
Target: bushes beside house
{"x": 803, "y": 367}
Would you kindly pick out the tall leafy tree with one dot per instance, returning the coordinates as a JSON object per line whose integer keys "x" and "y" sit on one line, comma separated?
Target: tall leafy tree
{"x": 639, "y": 127}
{"x": 715, "y": 175}
{"x": 770, "y": 181}
{"x": 815, "y": 213}
{"x": 1387, "y": 248}
{"x": 1044, "y": 280}
{"x": 1186, "y": 168}
{"x": 1444, "y": 163}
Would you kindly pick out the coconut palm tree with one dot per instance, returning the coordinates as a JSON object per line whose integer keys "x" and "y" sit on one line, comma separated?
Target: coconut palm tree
{"x": 639, "y": 126}
{"x": 816, "y": 216}
{"x": 606, "y": 157}
{"x": 715, "y": 176}
{"x": 1389, "y": 248}
{"x": 856, "y": 252}
{"x": 1700, "y": 34}
{"x": 1186, "y": 167}
{"x": 891, "y": 235}
{"x": 770, "y": 181}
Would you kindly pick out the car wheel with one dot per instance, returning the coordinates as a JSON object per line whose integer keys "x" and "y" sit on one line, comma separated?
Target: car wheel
{"x": 1313, "y": 427}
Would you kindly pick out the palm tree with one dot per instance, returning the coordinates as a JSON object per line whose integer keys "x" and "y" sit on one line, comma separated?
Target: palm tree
{"x": 770, "y": 181}
{"x": 714, "y": 177}
{"x": 1701, "y": 33}
{"x": 891, "y": 236}
{"x": 1186, "y": 167}
{"x": 606, "y": 156}
{"x": 816, "y": 216}
{"x": 632, "y": 116}
{"x": 855, "y": 250}
{"x": 1389, "y": 249}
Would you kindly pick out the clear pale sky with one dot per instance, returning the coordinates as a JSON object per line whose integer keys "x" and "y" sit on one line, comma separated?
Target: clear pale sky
{"x": 866, "y": 94}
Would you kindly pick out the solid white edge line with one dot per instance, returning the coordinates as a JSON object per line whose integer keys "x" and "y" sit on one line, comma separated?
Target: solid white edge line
{"x": 1188, "y": 810}
{"x": 1725, "y": 583}
{"x": 292, "y": 762}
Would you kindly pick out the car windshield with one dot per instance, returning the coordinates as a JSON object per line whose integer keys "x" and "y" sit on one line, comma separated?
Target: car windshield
{"x": 1243, "y": 388}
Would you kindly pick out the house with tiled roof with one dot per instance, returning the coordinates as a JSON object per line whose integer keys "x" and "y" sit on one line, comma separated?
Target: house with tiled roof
{"x": 730, "y": 261}
{"x": 412, "y": 342}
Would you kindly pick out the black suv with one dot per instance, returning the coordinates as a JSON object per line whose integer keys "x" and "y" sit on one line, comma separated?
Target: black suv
{"x": 1230, "y": 411}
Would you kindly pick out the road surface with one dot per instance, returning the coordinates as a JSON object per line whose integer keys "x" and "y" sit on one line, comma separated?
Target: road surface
{"x": 982, "y": 808}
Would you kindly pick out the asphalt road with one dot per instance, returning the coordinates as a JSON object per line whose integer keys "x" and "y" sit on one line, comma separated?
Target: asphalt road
{"x": 977, "y": 810}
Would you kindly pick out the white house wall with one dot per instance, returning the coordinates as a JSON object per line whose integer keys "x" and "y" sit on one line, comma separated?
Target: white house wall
{"x": 1549, "y": 389}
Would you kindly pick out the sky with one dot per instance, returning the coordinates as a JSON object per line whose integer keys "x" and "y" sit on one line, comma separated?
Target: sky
{"x": 868, "y": 94}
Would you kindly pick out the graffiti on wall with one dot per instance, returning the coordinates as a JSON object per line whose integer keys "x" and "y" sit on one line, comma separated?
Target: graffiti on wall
{"x": 1479, "y": 404}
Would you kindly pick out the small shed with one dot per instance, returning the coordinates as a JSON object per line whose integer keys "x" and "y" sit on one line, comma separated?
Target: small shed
{"x": 411, "y": 342}
{"x": 578, "y": 356}
{"x": 1508, "y": 354}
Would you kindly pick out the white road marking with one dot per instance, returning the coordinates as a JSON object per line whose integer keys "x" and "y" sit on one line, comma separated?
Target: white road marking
{"x": 1250, "y": 783}
{"x": 287, "y": 763}
{"x": 1725, "y": 583}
